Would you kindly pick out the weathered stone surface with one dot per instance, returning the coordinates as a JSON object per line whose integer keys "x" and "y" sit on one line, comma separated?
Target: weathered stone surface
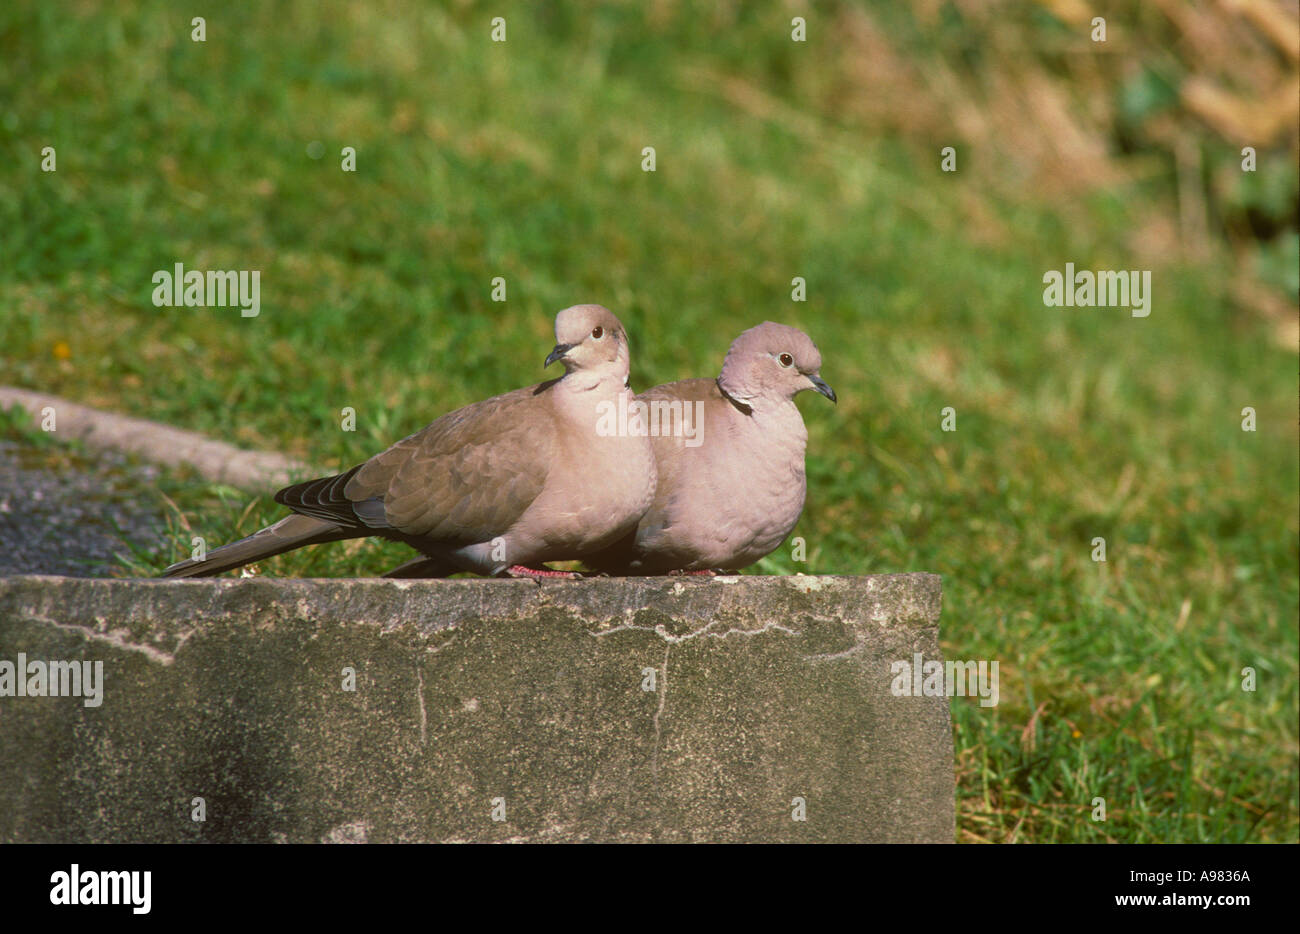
{"x": 767, "y": 689}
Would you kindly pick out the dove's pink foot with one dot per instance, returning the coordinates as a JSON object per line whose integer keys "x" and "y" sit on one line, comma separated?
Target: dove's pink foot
{"x": 518, "y": 570}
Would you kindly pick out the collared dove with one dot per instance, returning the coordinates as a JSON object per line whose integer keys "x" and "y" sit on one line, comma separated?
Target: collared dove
{"x": 497, "y": 487}
{"x": 731, "y": 467}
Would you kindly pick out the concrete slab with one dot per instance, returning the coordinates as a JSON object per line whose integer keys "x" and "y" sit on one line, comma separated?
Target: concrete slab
{"x": 607, "y": 709}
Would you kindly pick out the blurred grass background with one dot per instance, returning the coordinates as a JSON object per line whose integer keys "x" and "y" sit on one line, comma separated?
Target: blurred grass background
{"x": 775, "y": 159}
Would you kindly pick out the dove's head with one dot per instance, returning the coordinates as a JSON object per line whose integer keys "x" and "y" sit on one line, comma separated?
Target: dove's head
{"x": 589, "y": 339}
{"x": 772, "y": 362}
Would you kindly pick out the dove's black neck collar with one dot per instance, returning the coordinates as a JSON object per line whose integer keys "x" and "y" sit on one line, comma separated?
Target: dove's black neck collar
{"x": 741, "y": 407}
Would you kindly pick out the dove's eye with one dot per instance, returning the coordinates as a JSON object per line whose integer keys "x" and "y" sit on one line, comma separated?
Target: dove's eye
{"x": 597, "y": 332}
{"x": 785, "y": 360}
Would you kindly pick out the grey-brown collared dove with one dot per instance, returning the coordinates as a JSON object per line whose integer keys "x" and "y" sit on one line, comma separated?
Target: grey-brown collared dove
{"x": 731, "y": 459}
{"x": 497, "y": 487}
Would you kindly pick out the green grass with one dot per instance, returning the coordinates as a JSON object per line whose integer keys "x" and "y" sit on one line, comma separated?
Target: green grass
{"x": 522, "y": 160}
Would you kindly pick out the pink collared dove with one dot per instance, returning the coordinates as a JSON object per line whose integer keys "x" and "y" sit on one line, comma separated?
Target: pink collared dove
{"x": 497, "y": 487}
{"x": 731, "y": 472}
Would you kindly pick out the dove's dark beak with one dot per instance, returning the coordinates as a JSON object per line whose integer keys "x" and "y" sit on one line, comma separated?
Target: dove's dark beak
{"x": 823, "y": 387}
{"x": 559, "y": 351}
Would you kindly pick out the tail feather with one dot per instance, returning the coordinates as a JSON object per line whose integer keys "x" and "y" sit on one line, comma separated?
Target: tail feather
{"x": 424, "y": 568}
{"x": 291, "y": 532}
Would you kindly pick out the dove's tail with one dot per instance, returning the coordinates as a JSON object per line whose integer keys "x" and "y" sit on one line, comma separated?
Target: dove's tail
{"x": 289, "y": 533}
{"x": 423, "y": 568}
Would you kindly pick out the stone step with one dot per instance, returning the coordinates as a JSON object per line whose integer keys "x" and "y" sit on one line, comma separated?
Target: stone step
{"x": 728, "y": 709}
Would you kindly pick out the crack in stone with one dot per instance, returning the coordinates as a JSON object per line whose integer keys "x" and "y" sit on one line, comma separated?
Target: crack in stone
{"x": 445, "y": 644}
{"x": 833, "y": 656}
{"x": 663, "y": 701}
{"x": 424, "y": 716}
{"x": 157, "y": 655}
{"x": 670, "y": 640}
{"x": 668, "y": 637}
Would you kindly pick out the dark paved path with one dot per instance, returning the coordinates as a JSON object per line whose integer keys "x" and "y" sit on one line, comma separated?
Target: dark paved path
{"x": 64, "y": 511}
